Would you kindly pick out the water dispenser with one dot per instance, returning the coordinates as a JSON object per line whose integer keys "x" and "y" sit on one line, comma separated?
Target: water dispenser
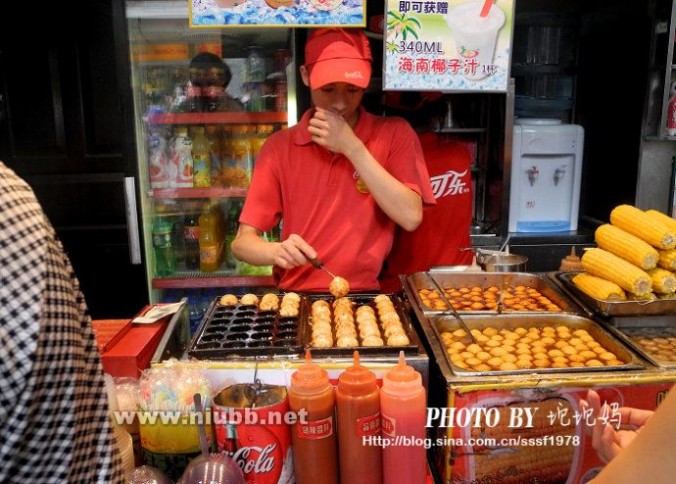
{"x": 546, "y": 175}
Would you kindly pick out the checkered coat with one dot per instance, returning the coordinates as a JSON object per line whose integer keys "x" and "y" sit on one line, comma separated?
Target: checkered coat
{"x": 54, "y": 425}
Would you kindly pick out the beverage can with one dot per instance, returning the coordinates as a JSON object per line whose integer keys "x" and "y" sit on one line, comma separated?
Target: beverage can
{"x": 250, "y": 427}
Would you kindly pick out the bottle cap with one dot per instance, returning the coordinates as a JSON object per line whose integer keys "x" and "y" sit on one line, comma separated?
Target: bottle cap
{"x": 357, "y": 379}
{"x": 402, "y": 378}
{"x": 309, "y": 378}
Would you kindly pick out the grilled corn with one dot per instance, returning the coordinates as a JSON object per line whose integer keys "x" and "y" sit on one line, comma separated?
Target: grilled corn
{"x": 603, "y": 264}
{"x": 598, "y": 288}
{"x": 664, "y": 281}
{"x": 625, "y": 245}
{"x": 637, "y": 222}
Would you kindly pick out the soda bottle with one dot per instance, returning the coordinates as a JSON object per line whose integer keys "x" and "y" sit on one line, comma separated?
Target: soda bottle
{"x": 209, "y": 243}
{"x": 231, "y": 226}
{"x": 180, "y": 158}
{"x": 201, "y": 159}
{"x": 191, "y": 235}
{"x": 165, "y": 261}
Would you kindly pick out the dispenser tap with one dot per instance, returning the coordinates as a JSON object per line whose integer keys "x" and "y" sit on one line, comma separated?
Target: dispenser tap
{"x": 559, "y": 174}
{"x": 533, "y": 174}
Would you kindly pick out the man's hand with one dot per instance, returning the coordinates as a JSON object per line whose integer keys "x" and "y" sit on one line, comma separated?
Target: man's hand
{"x": 332, "y": 131}
{"x": 293, "y": 252}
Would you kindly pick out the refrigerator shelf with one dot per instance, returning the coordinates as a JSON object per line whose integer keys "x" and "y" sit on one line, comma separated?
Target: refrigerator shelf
{"x": 191, "y": 281}
{"x": 200, "y": 192}
{"x": 218, "y": 118}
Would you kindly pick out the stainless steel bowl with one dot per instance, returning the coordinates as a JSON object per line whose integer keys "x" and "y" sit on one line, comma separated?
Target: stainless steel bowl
{"x": 503, "y": 263}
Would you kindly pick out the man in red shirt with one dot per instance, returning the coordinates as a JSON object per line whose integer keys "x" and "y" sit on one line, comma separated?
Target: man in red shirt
{"x": 340, "y": 180}
{"x": 446, "y": 226}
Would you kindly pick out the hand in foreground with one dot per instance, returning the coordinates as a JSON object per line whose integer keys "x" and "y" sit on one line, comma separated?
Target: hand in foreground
{"x": 606, "y": 440}
{"x": 330, "y": 130}
{"x": 293, "y": 252}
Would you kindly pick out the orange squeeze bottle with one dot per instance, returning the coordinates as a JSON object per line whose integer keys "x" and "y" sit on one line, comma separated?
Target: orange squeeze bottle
{"x": 358, "y": 410}
{"x": 403, "y": 405}
{"x": 312, "y": 397}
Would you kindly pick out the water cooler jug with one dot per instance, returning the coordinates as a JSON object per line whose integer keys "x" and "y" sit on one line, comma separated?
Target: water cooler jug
{"x": 546, "y": 174}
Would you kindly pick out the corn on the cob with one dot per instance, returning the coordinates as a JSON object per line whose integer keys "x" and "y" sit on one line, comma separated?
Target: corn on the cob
{"x": 625, "y": 245}
{"x": 664, "y": 281}
{"x": 667, "y": 259}
{"x": 603, "y": 264}
{"x": 662, "y": 218}
{"x": 598, "y": 288}
{"x": 637, "y": 222}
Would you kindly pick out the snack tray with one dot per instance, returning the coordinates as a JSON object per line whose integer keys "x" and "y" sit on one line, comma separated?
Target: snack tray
{"x": 359, "y": 299}
{"x": 648, "y": 328}
{"x": 612, "y": 308}
{"x": 245, "y": 331}
{"x": 441, "y": 324}
{"x": 420, "y": 280}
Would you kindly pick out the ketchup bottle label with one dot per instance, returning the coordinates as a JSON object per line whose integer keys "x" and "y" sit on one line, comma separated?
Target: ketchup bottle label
{"x": 388, "y": 426}
{"x": 368, "y": 425}
{"x": 317, "y": 429}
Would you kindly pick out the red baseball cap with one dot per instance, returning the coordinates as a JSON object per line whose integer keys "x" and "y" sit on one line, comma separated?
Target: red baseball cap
{"x": 338, "y": 55}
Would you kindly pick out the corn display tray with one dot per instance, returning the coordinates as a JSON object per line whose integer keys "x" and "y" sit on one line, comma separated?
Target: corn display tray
{"x": 358, "y": 300}
{"x": 244, "y": 330}
{"x": 654, "y": 340}
{"x": 612, "y": 308}
{"x": 625, "y": 359}
{"x": 500, "y": 281}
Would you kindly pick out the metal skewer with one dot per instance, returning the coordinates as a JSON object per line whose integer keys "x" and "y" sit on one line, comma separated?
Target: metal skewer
{"x": 320, "y": 265}
{"x": 452, "y": 309}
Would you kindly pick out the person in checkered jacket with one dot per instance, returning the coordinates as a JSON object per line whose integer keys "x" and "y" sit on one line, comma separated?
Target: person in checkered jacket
{"x": 54, "y": 423}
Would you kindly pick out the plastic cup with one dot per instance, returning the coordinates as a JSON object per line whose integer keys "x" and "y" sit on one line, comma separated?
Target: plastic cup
{"x": 475, "y": 37}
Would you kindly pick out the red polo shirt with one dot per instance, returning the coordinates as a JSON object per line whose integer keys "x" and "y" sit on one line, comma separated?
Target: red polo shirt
{"x": 316, "y": 194}
{"x": 445, "y": 226}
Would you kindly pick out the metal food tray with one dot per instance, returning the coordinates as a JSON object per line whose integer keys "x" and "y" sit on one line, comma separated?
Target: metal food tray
{"x": 360, "y": 299}
{"x": 420, "y": 280}
{"x": 441, "y": 324}
{"x": 245, "y": 330}
{"x": 613, "y": 308}
{"x": 653, "y": 329}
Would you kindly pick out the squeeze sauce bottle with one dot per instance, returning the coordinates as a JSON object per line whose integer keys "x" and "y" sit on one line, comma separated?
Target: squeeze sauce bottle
{"x": 403, "y": 405}
{"x": 314, "y": 440}
{"x": 358, "y": 409}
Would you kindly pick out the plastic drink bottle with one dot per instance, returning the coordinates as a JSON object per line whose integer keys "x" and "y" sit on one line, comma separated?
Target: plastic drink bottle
{"x": 165, "y": 260}
{"x": 311, "y": 395}
{"x": 403, "y": 405}
{"x": 358, "y": 412}
{"x": 209, "y": 243}
{"x": 201, "y": 159}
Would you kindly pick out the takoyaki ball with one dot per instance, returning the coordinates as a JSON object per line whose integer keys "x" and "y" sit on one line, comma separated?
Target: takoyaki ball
{"x": 367, "y": 331}
{"x": 321, "y": 311}
{"x": 389, "y": 317}
{"x": 339, "y": 287}
{"x": 321, "y": 303}
{"x": 249, "y": 300}
{"x": 288, "y": 311}
{"x": 321, "y": 330}
{"x": 346, "y": 331}
{"x": 321, "y": 318}
{"x": 342, "y": 309}
{"x": 291, "y": 296}
{"x": 269, "y": 302}
{"x": 322, "y": 341}
{"x": 372, "y": 341}
{"x": 344, "y": 318}
{"x": 391, "y": 330}
{"x": 381, "y": 297}
{"x": 365, "y": 309}
{"x": 383, "y": 306}
{"x": 228, "y": 300}
{"x": 347, "y": 341}
{"x": 366, "y": 318}
{"x": 398, "y": 339}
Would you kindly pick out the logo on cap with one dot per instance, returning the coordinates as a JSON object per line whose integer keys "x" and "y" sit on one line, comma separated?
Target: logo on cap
{"x": 353, "y": 75}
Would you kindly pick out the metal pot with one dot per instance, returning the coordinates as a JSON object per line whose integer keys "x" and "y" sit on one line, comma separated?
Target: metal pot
{"x": 503, "y": 263}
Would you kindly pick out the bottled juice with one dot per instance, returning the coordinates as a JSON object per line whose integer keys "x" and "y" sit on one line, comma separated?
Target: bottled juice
{"x": 180, "y": 158}
{"x": 201, "y": 158}
{"x": 314, "y": 441}
{"x": 215, "y": 149}
{"x": 358, "y": 411}
{"x": 257, "y": 141}
{"x": 209, "y": 242}
{"x": 240, "y": 148}
{"x": 403, "y": 407}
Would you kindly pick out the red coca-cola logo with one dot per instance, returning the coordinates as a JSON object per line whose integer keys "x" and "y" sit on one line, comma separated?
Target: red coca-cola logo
{"x": 257, "y": 460}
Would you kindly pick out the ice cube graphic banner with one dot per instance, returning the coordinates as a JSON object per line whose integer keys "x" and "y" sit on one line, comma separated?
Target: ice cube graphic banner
{"x": 277, "y": 13}
{"x": 453, "y": 45}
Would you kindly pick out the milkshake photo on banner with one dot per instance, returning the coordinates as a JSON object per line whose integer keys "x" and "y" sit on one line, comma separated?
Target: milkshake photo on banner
{"x": 460, "y": 45}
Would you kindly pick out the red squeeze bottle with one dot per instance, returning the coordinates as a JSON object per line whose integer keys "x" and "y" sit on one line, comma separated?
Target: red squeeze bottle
{"x": 358, "y": 409}
{"x": 403, "y": 404}
{"x": 314, "y": 440}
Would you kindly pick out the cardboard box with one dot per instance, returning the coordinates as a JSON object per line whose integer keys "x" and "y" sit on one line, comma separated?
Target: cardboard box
{"x": 133, "y": 352}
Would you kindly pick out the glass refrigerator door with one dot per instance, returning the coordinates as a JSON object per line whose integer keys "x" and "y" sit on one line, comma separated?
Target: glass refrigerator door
{"x": 205, "y": 100}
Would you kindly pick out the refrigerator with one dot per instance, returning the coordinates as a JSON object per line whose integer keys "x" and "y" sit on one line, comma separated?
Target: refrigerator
{"x": 204, "y": 100}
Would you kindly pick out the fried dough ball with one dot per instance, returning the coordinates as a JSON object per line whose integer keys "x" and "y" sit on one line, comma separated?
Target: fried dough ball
{"x": 228, "y": 300}
{"x": 346, "y": 331}
{"x": 339, "y": 287}
{"x": 249, "y": 300}
{"x": 366, "y": 318}
{"x": 346, "y": 341}
{"x": 269, "y": 302}
{"x": 372, "y": 341}
{"x": 398, "y": 339}
{"x": 322, "y": 341}
{"x": 320, "y": 311}
{"x": 288, "y": 311}
{"x": 392, "y": 330}
{"x": 291, "y": 296}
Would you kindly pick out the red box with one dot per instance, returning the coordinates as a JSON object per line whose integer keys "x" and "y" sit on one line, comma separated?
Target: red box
{"x": 133, "y": 352}
{"x": 109, "y": 331}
